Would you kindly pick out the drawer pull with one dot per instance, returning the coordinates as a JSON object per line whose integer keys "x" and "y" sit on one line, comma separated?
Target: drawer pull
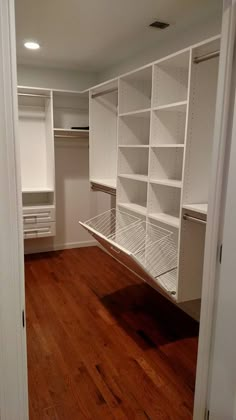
{"x": 26, "y": 216}
{"x": 194, "y": 219}
{"x": 116, "y": 250}
{"x": 36, "y": 230}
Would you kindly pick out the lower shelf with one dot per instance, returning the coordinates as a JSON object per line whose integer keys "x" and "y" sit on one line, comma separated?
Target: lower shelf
{"x": 146, "y": 249}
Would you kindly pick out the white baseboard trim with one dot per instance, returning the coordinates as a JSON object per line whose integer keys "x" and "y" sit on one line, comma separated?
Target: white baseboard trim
{"x": 60, "y": 247}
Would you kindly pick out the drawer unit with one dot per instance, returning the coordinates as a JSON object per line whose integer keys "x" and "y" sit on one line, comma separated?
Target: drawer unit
{"x": 39, "y": 230}
{"x": 42, "y": 214}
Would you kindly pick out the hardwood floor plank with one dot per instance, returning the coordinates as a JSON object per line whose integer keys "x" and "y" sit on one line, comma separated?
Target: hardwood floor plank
{"x": 102, "y": 344}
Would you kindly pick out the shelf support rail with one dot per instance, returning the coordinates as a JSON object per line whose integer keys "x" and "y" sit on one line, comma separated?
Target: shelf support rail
{"x": 104, "y": 92}
{"x": 206, "y": 57}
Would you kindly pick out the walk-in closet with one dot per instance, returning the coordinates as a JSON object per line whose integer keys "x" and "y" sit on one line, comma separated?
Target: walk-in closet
{"x": 116, "y": 121}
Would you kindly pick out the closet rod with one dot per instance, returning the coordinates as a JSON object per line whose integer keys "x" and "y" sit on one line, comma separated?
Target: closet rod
{"x": 34, "y": 95}
{"x": 206, "y": 57}
{"x": 63, "y": 136}
{"x": 194, "y": 219}
{"x": 104, "y": 92}
{"x": 107, "y": 190}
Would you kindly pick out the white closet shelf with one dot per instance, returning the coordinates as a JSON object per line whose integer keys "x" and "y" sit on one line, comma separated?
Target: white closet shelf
{"x": 171, "y": 145}
{"x": 142, "y": 113}
{"x": 106, "y": 182}
{"x": 138, "y": 208}
{"x": 134, "y": 146}
{"x": 71, "y": 133}
{"x": 199, "y": 208}
{"x": 137, "y": 177}
{"x": 168, "y": 182}
{"x": 174, "y": 106}
{"x": 37, "y": 190}
{"x": 168, "y": 219}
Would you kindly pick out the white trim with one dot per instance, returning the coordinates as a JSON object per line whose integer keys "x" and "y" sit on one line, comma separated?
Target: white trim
{"x": 214, "y": 209}
{"x": 13, "y": 365}
{"x": 60, "y": 247}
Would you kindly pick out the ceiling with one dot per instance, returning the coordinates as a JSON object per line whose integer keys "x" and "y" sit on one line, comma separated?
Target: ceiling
{"x": 94, "y": 34}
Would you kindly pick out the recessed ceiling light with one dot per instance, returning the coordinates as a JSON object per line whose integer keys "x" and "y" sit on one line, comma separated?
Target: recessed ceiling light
{"x": 31, "y": 45}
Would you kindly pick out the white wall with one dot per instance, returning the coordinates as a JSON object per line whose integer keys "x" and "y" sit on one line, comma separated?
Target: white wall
{"x": 74, "y": 200}
{"x": 55, "y": 78}
{"x": 171, "y": 42}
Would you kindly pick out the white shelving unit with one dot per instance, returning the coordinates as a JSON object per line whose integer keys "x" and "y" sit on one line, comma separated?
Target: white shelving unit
{"x": 45, "y": 115}
{"x": 37, "y": 161}
{"x": 165, "y": 128}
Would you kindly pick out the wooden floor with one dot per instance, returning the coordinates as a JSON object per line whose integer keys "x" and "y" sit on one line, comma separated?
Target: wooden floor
{"x": 102, "y": 344}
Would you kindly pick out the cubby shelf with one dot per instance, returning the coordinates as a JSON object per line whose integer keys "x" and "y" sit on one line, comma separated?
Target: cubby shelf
{"x": 137, "y": 177}
{"x": 168, "y": 219}
{"x": 174, "y": 106}
{"x": 181, "y": 145}
{"x": 138, "y": 208}
{"x": 199, "y": 208}
{"x": 136, "y": 146}
{"x": 142, "y": 113}
{"x": 37, "y": 190}
{"x": 168, "y": 182}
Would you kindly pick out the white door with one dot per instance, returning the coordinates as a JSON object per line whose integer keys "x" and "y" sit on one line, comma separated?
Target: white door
{"x": 212, "y": 318}
{"x": 13, "y": 367}
{"x": 222, "y": 398}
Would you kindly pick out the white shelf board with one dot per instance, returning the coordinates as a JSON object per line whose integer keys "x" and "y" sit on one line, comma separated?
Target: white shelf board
{"x": 174, "y": 106}
{"x": 136, "y": 177}
{"x": 142, "y": 113}
{"x": 199, "y": 208}
{"x": 134, "y": 146}
{"x": 37, "y": 190}
{"x": 105, "y": 182}
{"x": 168, "y": 219}
{"x": 171, "y": 145}
{"x": 71, "y": 133}
{"x": 168, "y": 182}
{"x": 138, "y": 208}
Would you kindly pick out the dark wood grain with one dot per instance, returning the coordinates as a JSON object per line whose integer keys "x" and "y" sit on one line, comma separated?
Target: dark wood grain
{"x": 102, "y": 344}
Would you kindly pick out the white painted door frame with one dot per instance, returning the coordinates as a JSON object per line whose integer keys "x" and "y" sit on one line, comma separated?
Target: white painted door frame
{"x": 13, "y": 365}
{"x": 222, "y": 136}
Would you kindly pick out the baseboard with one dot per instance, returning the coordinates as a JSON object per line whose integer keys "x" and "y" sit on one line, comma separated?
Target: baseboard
{"x": 60, "y": 247}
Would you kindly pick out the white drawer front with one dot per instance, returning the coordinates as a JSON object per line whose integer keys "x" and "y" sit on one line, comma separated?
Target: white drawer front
{"x": 39, "y": 230}
{"x": 38, "y": 215}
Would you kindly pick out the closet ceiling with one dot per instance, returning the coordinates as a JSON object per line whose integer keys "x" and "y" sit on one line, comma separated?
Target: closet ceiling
{"x": 94, "y": 34}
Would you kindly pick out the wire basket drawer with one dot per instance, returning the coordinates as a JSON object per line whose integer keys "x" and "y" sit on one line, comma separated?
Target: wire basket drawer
{"x": 146, "y": 248}
{"x": 111, "y": 223}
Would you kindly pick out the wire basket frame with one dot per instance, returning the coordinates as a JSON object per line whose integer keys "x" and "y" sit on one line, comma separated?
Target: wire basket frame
{"x": 111, "y": 222}
{"x": 153, "y": 247}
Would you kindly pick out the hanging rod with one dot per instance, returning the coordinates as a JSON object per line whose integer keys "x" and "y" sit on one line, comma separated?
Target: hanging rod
{"x": 34, "y": 95}
{"x": 104, "y": 92}
{"x": 64, "y": 136}
{"x": 194, "y": 219}
{"x": 107, "y": 190}
{"x": 206, "y": 57}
